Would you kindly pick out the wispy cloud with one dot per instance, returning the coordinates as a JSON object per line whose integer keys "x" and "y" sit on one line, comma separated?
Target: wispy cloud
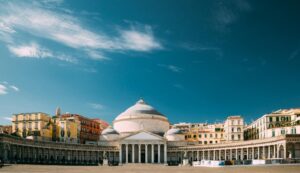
{"x": 33, "y": 50}
{"x": 172, "y": 68}
{"x": 38, "y": 20}
{"x": 14, "y": 88}
{"x": 5, "y": 88}
{"x": 139, "y": 41}
{"x": 7, "y": 118}
{"x": 197, "y": 47}
{"x": 97, "y": 106}
{"x": 228, "y": 12}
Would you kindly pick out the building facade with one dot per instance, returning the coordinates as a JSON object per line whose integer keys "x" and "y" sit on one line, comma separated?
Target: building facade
{"x": 141, "y": 134}
{"x": 277, "y": 123}
{"x": 32, "y": 124}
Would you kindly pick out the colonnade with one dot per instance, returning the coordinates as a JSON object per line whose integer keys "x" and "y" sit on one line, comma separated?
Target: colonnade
{"x": 143, "y": 153}
{"x": 273, "y": 151}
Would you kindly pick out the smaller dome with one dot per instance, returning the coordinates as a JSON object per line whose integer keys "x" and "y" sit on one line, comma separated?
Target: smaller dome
{"x": 109, "y": 131}
{"x": 174, "y": 132}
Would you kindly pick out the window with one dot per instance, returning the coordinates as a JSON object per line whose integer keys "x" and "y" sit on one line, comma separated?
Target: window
{"x": 232, "y": 137}
{"x": 216, "y": 142}
{"x": 273, "y": 133}
{"x": 232, "y": 129}
{"x": 205, "y": 135}
{"x": 216, "y": 135}
{"x": 210, "y": 135}
{"x": 239, "y": 137}
{"x": 282, "y": 131}
{"x": 277, "y": 118}
{"x": 210, "y": 142}
{"x": 205, "y": 142}
{"x": 270, "y": 119}
{"x": 195, "y": 136}
{"x": 239, "y": 129}
{"x": 30, "y": 125}
{"x": 200, "y": 142}
{"x": 293, "y": 130}
{"x": 200, "y": 136}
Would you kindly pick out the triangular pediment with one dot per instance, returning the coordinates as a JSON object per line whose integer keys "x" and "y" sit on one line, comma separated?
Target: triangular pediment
{"x": 143, "y": 135}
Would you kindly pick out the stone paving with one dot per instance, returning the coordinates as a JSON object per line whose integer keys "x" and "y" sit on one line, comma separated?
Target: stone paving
{"x": 138, "y": 168}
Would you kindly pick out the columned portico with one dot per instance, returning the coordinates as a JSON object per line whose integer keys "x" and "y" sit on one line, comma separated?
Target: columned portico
{"x": 145, "y": 147}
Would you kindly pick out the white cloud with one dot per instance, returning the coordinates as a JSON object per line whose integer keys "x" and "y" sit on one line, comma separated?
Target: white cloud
{"x": 96, "y": 106}
{"x": 30, "y": 51}
{"x": 3, "y": 89}
{"x": 140, "y": 41}
{"x": 14, "y": 88}
{"x": 96, "y": 55}
{"x": 7, "y": 118}
{"x": 33, "y": 50}
{"x": 172, "y": 68}
{"x": 36, "y": 20}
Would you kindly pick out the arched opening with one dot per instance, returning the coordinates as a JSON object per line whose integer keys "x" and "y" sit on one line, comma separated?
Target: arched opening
{"x": 281, "y": 152}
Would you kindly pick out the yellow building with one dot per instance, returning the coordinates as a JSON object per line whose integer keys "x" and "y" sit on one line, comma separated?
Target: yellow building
{"x": 35, "y": 124}
{"x": 68, "y": 130}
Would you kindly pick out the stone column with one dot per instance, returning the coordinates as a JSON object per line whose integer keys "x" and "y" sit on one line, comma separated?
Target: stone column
{"x": 203, "y": 155}
{"x": 269, "y": 152}
{"x": 253, "y": 153}
{"x": 258, "y": 152}
{"x": 120, "y": 155}
{"x": 158, "y": 154}
{"x": 208, "y": 155}
{"x": 132, "y": 146}
{"x": 284, "y": 151}
{"x": 225, "y": 154}
{"x": 126, "y": 153}
{"x": 230, "y": 150}
{"x": 146, "y": 153}
{"x": 152, "y": 153}
{"x": 214, "y": 157}
{"x": 236, "y": 154}
{"x": 278, "y": 150}
{"x": 139, "y": 153}
{"x": 274, "y": 151}
{"x": 247, "y": 154}
{"x": 220, "y": 155}
{"x": 165, "y": 153}
{"x": 198, "y": 158}
{"x": 264, "y": 153}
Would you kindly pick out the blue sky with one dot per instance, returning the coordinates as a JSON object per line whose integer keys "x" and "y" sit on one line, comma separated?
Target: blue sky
{"x": 195, "y": 61}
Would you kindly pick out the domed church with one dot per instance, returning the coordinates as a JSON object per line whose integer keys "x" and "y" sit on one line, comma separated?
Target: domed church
{"x": 141, "y": 117}
{"x": 141, "y": 133}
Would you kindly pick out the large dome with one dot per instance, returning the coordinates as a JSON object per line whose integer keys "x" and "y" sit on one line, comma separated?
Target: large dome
{"x": 141, "y": 116}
